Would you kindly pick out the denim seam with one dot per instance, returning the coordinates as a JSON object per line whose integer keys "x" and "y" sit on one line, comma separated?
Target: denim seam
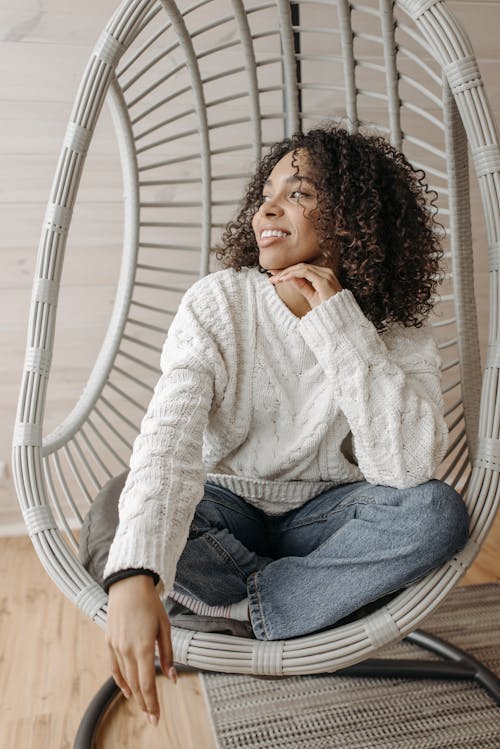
{"x": 224, "y": 554}
{"x": 318, "y": 518}
{"x": 261, "y": 620}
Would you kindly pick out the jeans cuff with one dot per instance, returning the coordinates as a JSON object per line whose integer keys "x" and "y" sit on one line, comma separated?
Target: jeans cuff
{"x": 255, "y": 608}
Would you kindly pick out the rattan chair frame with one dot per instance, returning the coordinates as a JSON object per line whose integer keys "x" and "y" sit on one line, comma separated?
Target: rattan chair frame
{"x": 46, "y": 466}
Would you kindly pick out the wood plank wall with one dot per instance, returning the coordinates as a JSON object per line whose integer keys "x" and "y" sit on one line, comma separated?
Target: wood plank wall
{"x": 44, "y": 46}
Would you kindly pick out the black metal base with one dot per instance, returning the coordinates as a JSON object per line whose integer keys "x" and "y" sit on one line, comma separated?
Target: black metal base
{"x": 457, "y": 665}
{"x": 101, "y": 703}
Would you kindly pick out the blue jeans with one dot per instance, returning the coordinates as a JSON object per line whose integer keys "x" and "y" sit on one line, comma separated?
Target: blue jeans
{"x": 311, "y": 567}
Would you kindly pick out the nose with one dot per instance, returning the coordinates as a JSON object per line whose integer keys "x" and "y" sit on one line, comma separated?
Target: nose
{"x": 271, "y": 207}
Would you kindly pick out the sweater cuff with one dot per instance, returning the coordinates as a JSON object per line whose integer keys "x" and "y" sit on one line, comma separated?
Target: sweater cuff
{"x": 131, "y": 572}
{"x": 338, "y": 324}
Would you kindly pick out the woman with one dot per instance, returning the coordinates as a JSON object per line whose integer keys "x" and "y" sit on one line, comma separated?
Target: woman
{"x": 283, "y": 475}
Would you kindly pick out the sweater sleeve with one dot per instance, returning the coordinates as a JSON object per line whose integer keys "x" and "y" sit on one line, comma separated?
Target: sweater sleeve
{"x": 167, "y": 474}
{"x": 388, "y": 386}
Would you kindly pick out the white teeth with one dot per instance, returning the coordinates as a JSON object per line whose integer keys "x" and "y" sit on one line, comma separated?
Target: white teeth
{"x": 273, "y": 233}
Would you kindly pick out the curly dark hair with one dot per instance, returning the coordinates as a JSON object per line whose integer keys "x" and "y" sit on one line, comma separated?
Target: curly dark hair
{"x": 374, "y": 215}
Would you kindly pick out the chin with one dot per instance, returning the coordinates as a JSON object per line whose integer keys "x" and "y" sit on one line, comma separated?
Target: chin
{"x": 265, "y": 267}
{"x": 270, "y": 269}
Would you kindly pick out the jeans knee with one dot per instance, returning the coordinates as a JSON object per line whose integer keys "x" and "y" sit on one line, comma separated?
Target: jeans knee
{"x": 446, "y": 518}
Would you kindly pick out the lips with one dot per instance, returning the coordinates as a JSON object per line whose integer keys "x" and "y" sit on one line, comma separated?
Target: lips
{"x": 271, "y": 235}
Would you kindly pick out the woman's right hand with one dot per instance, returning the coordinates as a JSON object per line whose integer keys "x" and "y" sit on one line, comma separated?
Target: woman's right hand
{"x": 136, "y": 620}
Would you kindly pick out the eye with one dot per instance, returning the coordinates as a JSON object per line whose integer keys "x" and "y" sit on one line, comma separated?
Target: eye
{"x": 298, "y": 194}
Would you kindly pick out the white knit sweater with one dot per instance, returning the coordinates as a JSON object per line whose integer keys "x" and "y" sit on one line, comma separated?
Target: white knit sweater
{"x": 274, "y": 407}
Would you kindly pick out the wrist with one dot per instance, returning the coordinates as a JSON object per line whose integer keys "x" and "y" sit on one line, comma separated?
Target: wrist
{"x": 137, "y": 582}
{"x": 144, "y": 574}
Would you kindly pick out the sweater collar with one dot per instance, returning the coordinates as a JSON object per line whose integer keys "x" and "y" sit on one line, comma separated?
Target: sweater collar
{"x": 283, "y": 315}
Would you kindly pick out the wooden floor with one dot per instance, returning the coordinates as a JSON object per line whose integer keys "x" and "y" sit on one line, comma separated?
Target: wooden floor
{"x": 53, "y": 660}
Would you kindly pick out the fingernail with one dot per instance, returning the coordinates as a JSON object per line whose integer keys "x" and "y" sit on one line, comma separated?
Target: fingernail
{"x": 153, "y": 719}
{"x": 125, "y": 694}
{"x": 172, "y": 674}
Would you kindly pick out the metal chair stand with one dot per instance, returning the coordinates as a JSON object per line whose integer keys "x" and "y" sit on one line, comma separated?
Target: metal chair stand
{"x": 457, "y": 665}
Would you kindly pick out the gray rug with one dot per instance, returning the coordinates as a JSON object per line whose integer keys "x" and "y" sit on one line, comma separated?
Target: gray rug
{"x": 338, "y": 712}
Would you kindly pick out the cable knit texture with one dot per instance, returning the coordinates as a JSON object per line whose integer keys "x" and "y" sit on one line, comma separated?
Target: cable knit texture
{"x": 275, "y": 408}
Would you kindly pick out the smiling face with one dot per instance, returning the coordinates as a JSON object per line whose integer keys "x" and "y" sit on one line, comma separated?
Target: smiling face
{"x": 283, "y": 224}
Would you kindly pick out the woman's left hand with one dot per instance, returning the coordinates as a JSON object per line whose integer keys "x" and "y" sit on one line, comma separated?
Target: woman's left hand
{"x": 314, "y": 282}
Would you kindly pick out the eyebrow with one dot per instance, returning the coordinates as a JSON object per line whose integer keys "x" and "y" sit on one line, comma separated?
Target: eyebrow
{"x": 292, "y": 178}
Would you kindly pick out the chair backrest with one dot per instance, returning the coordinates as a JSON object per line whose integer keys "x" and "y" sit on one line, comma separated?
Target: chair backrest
{"x": 197, "y": 90}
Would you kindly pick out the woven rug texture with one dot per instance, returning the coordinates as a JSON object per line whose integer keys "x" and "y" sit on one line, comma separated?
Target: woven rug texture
{"x": 327, "y": 711}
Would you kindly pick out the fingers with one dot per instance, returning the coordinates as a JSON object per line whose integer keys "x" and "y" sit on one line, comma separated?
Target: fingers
{"x": 134, "y": 672}
{"x": 136, "y": 621}
{"x": 147, "y": 696}
{"x": 117, "y": 675}
{"x": 306, "y": 270}
{"x": 316, "y": 283}
{"x": 166, "y": 651}
{"x": 133, "y": 668}
{"x": 319, "y": 270}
